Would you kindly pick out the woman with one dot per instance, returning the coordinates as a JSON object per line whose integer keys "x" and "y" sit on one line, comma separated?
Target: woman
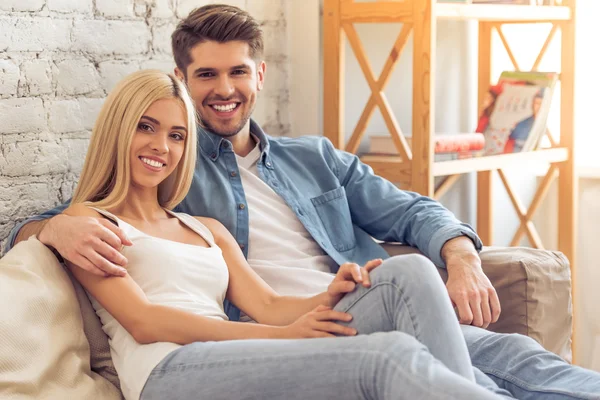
{"x": 489, "y": 102}
{"x": 169, "y": 335}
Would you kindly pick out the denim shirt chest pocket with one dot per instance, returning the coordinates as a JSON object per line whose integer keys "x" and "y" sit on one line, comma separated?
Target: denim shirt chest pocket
{"x": 333, "y": 210}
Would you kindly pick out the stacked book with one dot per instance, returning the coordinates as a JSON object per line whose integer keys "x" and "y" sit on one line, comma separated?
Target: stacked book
{"x": 446, "y": 147}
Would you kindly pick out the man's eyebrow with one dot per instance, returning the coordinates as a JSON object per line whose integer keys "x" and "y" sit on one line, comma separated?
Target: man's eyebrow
{"x": 241, "y": 66}
{"x": 204, "y": 69}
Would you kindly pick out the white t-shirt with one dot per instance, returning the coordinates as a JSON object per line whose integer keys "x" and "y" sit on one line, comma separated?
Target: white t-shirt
{"x": 281, "y": 250}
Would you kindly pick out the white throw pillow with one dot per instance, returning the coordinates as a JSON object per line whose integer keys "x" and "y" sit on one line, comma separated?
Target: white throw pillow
{"x": 44, "y": 353}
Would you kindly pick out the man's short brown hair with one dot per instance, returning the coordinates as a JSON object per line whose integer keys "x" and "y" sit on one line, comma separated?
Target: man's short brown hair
{"x": 217, "y": 22}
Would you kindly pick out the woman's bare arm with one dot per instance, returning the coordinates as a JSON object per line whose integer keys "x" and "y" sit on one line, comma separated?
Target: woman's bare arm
{"x": 148, "y": 322}
{"x": 253, "y": 295}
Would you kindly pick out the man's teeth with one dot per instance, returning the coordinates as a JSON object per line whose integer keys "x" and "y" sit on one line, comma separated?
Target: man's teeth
{"x": 152, "y": 163}
{"x": 224, "y": 108}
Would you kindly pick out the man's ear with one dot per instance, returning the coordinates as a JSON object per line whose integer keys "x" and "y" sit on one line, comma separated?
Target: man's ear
{"x": 260, "y": 71}
{"x": 179, "y": 74}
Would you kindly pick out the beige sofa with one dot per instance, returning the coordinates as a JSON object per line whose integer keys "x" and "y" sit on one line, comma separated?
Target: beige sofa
{"x": 52, "y": 345}
{"x": 534, "y": 287}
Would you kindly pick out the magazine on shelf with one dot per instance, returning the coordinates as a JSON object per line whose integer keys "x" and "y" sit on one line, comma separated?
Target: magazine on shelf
{"x": 515, "y": 111}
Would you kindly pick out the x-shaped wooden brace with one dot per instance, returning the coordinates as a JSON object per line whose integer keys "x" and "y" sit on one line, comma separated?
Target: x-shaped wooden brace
{"x": 377, "y": 96}
{"x": 526, "y": 216}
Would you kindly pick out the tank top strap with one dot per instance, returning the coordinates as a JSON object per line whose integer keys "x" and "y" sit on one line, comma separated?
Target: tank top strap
{"x": 107, "y": 214}
{"x": 195, "y": 225}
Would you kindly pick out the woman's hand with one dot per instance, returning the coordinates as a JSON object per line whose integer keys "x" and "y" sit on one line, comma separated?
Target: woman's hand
{"x": 318, "y": 323}
{"x": 347, "y": 277}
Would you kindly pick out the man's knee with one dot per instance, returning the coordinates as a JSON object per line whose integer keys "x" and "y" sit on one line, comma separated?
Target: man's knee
{"x": 393, "y": 342}
{"x": 479, "y": 339}
{"x": 412, "y": 268}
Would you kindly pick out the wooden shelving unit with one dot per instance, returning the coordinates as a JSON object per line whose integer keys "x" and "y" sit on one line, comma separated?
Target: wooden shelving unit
{"x": 415, "y": 168}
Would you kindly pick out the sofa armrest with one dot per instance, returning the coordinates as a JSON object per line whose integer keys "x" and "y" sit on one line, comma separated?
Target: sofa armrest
{"x": 534, "y": 287}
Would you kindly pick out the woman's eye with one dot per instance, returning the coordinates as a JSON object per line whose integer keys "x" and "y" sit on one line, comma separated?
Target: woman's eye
{"x": 145, "y": 127}
{"x": 177, "y": 136}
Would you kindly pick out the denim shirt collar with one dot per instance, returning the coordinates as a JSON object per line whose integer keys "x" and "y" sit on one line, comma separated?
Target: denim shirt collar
{"x": 211, "y": 144}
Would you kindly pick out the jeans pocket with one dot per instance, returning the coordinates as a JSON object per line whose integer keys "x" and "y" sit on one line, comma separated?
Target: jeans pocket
{"x": 333, "y": 210}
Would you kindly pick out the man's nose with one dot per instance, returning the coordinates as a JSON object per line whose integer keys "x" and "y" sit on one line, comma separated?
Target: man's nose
{"x": 224, "y": 87}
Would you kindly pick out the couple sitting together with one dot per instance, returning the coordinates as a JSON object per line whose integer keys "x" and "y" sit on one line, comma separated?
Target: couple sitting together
{"x": 226, "y": 264}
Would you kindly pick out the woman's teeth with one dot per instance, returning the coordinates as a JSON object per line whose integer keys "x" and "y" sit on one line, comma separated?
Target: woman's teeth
{"x": 152, "y": 163}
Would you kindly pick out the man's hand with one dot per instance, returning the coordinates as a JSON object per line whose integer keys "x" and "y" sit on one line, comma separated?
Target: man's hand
{"x": 90, "y": 243}
{"x": 470, "y": 290}
{"x": 347, "y": 277}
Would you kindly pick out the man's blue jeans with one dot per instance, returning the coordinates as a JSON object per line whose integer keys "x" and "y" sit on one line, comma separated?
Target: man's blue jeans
{"x": 410, "y": 346}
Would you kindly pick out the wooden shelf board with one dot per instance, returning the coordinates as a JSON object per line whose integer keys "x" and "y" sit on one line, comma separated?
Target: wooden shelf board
{"x": 501, "y": 12}
{"x": 401, "y": 11}
{"x": 393, "y": 166}
{"x": 490, "y": 163}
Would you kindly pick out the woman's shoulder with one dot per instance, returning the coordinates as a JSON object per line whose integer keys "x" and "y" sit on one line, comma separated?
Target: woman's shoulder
{"x": 214, "y": 226}
{"x": 86, "y": 210}
{"x": 81, "y": 210}
{"x": 210, "y": 223}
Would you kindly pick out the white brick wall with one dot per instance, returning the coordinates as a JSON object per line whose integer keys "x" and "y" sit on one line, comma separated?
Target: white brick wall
{"x": 58, "y": 61}
{"x": 70, "y": 6}
{"x": 37, "y": 77}
{"x": 22, "y": 5}
{"x": 76, "y": 76}
{"x": 9, "y": 77}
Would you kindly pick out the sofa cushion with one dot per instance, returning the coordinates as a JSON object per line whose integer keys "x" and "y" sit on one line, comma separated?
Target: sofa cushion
{"x": 534, "y": 288}
{"x": 535, "y": 285}
{"x": 100, "y": 358}
{"x": 44, "y": 353}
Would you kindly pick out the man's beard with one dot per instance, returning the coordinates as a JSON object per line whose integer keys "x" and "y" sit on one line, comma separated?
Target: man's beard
{"x": 238, "y": 127}
{"x": 226, "y": 132}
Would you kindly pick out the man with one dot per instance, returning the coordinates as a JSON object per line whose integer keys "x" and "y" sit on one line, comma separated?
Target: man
{"x": 522, "y": 130}
{"x": 299, "y": 208}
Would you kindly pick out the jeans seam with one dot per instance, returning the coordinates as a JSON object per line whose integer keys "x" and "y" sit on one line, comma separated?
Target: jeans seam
{"x": 197, "y": 365}
{"x": 404, "y": 299}
{"x": 531, "y": 388}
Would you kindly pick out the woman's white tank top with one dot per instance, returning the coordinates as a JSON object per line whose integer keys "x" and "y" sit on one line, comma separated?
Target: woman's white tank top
{"x": 188, "y": 277}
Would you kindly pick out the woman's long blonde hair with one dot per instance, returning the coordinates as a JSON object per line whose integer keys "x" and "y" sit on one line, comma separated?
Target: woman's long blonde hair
{"x": 106, "y": 175}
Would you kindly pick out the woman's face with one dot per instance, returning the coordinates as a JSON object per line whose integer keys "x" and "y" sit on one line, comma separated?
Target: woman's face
{"x": 158, "y": 143}
{"x": 488, "y": 100}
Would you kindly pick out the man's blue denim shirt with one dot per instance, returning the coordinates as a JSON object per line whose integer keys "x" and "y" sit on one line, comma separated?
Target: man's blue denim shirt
{"x": 339, "y": 200}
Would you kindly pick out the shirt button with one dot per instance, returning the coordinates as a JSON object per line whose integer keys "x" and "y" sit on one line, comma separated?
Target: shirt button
{"x": 213, "y": 155}
{"x": 300, "y": 212}
{"x": 275, "y": 183}
{"x": 233, "y": 174}
{"x": 241, "y": 206}
{"x": 268, "y": 164}
{"x": 242, "y": 246}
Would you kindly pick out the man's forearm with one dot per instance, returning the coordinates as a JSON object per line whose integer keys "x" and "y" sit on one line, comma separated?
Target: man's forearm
{"x": 30, "y": 229}
{"x": 462, "y": 248}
